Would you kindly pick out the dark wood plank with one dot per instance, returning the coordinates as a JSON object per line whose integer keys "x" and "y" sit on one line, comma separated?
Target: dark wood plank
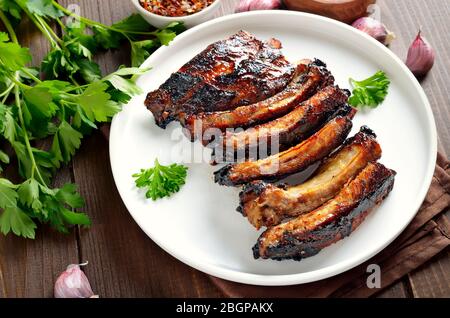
{"x": 396, "y": 290}
{"x": 29, "y": 268}
{"x": 432, "y": 279}
{"x": 404, "y": 17}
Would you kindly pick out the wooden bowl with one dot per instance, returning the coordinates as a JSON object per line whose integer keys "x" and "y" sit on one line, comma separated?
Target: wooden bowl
{"x": 343, "y": 10}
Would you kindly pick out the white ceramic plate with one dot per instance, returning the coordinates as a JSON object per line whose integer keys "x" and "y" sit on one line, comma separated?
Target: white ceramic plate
{"x": 199, "y": 225}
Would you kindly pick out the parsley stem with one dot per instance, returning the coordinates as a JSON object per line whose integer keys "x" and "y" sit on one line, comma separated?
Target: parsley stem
{"x": 71, "y": 89}
{"x": 8, "y": 90}
{"x": 34, "y": 78}
{"x": 19, "y": 83}
{"x": 49, "y": 29}
{"x": 26, "y": 138}
{"x": 61, "y": 24}
{"x": 6, "y": 96}
{"x": 9, "y": 28}
{"x": 40, "y": 26}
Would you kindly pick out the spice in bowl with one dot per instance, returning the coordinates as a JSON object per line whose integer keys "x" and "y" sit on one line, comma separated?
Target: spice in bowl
{"x": 175, "y": 8}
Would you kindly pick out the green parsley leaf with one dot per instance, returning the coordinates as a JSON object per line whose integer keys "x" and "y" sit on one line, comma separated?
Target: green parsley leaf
{"x": 371, "y": 91}
{"x": 68, "y": 195}
{"x": 2, "y": 117}
{"x": 119, "y": 96}
{"x": 131, "y": 71}
{"x": 16, "y": 220}
{"x": 141, "y": 50}
{"x": 43, "y": 160}
{"x": 56, "y": 64}
{"x": 89, "y": 70}
{"x": 12, "y": 55}
{"x": 4, "y": 157}
{"x": 59, "y": 216}
{"x": 38, "y": 110}
{"x": 106, "y": 38}
{"x": 25, "y": 77}
{"x": 40, "y": 101}
{"x": 74, "y": 218}
{"x": 165, "y": 36}
{"x": 65, "y": 142}
{"x": 161, "y": 181}
{"x": 77, "y": 49}
{"x": 96, "y": 103}
{"x": 77, "y": 30}
{"x": 177, "y": 27}
{"x": 29, "y": 194}
{"x": 11, "y": 7}
{"x": 8, "y": 194}
{"x": 124, "y": 85}
{"x": 10, "y": 127}
{"x": 56, "y": 88}
{"x": 133, "y": 23}
{"x": 43, "y": 8}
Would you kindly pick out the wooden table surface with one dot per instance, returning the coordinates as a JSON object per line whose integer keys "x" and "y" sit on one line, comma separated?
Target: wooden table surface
{"x": 123, "y": 261}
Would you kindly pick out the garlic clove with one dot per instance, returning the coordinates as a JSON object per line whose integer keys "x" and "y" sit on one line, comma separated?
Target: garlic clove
{"x": 73, "y": 283}
{"x": 251, "y": 5}
{"x": 375, "y": 29}
{"x": 421, "y": 56}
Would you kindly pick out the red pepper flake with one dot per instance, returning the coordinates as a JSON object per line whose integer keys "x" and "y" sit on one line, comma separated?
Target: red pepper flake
{"x": 175, "y": 8}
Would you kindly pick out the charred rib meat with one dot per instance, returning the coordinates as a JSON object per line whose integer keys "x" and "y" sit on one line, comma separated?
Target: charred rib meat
{"x": 240, "y": 70}
{"x": 267, "y": 204}
{"x": 289, "y": 129}
{"x": 309, "y": 77}
{"x": 309, "y": 233}
{"x": 293, "y": 160}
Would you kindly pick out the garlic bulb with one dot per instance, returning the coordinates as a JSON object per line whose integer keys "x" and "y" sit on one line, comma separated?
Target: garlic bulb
{"x": 421, "y": 56}
{"x": 73, "y": 283}
{"x": 375, "y": 29}
{"x": 250, "y": 5}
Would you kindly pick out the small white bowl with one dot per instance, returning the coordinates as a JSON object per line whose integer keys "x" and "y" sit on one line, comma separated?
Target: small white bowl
{"x": 160, "y": 21}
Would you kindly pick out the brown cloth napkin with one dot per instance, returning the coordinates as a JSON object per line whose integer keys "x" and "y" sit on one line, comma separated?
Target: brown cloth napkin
{"x": 427, "y": 235}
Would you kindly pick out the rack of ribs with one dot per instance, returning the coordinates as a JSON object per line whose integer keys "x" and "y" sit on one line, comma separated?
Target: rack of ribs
{"x": 309, "y": 78}
{"x": 240, "y": 70}
{"x": 309, "y": 233}
{"x": 266, "y": 204}
{"x": 293, "y": 160}
{"x": 285, "y": 131}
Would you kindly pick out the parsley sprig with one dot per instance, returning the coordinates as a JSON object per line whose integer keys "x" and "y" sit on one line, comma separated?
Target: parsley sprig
{"x": 161, "y": 181}
{"x": 59, "y": 110}
{"x": 369, "y": 92}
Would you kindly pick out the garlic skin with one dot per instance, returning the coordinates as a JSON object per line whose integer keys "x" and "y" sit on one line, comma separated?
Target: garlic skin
{"x": 250, "y": 5}
{"x": 375, "y": 29}
{"x": 73, "y": 283}
{"x": 421, "y": 56}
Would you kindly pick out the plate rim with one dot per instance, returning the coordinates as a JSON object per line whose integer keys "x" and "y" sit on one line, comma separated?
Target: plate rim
{"x": 314, "y": 275}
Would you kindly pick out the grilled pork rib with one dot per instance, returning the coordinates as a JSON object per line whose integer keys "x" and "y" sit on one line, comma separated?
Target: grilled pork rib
{"x": 309, "y": 233}
{"x": 309, "y": 77}
{"x": 293, "y": 160}
{"x": 267, "y": 204}
{"x": 240, "y": 70}
{"x": 297, "y": 125}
